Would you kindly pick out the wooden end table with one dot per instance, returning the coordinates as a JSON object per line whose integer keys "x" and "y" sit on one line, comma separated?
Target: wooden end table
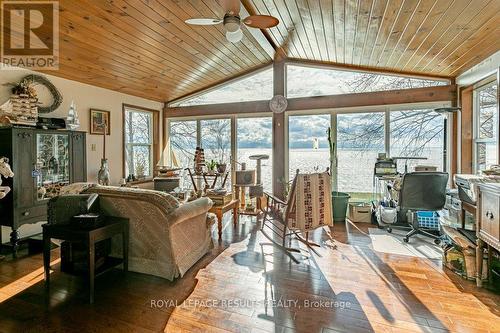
{"x": 219, "y": 210}
{"x": 112, "y": 226}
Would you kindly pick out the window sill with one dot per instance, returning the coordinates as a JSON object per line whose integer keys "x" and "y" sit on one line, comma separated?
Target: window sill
{"x": 142, "y": 181}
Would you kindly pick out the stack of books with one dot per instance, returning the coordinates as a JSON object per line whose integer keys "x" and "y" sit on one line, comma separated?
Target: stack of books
{"x": 220, "y": 199}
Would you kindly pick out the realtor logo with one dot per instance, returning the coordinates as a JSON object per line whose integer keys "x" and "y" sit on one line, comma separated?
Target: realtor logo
{"x": 30, "y": 35}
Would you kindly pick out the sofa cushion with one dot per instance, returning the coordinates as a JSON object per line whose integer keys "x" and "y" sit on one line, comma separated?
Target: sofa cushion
{"x": 167, "y": 201}
{"x": 76, "y": 188}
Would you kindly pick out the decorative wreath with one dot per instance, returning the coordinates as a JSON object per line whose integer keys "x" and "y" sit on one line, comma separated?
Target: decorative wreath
{"x": 57, "y": 99}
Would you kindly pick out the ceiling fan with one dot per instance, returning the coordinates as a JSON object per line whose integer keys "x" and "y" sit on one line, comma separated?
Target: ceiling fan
{"x": 232, "y": 20}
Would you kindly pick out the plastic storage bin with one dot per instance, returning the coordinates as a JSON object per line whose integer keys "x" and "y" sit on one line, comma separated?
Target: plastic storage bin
{"x": 429, "y": 220}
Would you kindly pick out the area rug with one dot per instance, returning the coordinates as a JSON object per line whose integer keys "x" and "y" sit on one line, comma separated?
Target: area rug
{"x": 419, "y": 246}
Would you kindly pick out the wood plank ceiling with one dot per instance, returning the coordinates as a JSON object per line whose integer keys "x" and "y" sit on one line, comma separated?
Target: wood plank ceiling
{"x": 434, "y": 37}
{"x": 144, "y": 48}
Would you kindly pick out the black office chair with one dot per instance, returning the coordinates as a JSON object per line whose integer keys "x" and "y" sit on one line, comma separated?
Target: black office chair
{"x": 422, "y": 191}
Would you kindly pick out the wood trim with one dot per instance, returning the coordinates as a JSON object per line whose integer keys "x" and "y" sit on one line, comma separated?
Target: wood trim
{"x": 156, "y": 134}
{"x": 217, "y": 109}
{"x": 279, "y": 161}
{"x": 466, "y": 125}
{"x": 403, "y": 96}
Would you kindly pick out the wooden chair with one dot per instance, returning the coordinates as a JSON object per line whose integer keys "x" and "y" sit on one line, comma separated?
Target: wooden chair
{"x": 277, "y": 215}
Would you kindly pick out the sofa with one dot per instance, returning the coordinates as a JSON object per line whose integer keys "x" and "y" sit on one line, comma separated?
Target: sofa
{"x": 166, "y": 237}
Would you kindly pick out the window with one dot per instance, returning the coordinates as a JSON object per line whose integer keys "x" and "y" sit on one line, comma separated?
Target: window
{"x": 255, "y": 137}
{"x": 182, "y": 142}
{"x": 335, "y": 82}
{"x": 308, "y": 143}
{"x": 486, "y": 133}
{"x": 140, "y": 141}
{"x": 360, "y": 137}
{"x": 258, "y": 86}
{"x": 417, "y": 133}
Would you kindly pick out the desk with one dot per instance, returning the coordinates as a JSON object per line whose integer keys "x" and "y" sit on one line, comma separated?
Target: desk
{"x": 219, "y": 210}
{"x": 68, "y": 232}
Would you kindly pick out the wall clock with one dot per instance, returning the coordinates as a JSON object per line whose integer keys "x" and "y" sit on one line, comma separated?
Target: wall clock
{"x": 278, "y": 104}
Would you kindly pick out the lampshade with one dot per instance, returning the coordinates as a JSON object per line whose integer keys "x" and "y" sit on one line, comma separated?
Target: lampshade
{"x": 234, "y": 37}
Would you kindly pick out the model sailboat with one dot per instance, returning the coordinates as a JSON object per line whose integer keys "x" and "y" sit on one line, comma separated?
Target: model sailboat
{"x": 168, "y": 165}
{"x": 72, "y": 120}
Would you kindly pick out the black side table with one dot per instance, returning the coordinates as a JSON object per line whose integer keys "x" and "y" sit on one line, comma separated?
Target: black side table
{"x": 68, "y": 232}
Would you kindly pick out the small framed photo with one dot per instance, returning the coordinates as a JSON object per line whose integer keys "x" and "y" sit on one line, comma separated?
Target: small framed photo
{"x": 99, "y": 119}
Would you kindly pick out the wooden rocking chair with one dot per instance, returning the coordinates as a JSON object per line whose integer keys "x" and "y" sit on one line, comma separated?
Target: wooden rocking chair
{"x": 277, "y": 215}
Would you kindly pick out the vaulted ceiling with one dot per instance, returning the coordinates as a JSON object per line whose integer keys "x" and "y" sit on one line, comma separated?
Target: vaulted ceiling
{"x": 437, "y": 37}
{"x": 144, "y": 48}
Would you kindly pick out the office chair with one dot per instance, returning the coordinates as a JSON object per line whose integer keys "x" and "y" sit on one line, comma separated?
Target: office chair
{"x": 422, "y": 191}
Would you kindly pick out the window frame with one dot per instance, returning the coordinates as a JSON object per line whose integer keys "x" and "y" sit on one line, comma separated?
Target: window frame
{"x": 155, "y": 144}
{"x": 477, "y": 88}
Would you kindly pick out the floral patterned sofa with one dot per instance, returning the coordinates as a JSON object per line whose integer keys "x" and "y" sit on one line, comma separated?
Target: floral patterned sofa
{"x": 166, "y": 237}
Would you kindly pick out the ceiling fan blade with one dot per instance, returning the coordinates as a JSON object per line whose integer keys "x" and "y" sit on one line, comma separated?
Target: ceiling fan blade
{"x": 203, "y": 21}
{"x": 261, "y": 21}
{"x": 232, "y": 7}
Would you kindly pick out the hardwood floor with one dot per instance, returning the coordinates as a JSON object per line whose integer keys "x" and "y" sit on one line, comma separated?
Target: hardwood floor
{"x": 245, "y": 285}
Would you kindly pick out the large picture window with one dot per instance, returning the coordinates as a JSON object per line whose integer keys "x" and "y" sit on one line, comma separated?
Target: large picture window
{"x": 255, "y": 136}
{"x": 308, "y": 144}
{"x": 328, "y": 81}
{"x": 140, "y": 141}
{"x": 417, "y": 133}
{"x": 360, "y": 137}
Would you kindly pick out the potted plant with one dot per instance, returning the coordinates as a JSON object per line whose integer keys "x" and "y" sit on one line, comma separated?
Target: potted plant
{"x": 140, "y": 170}
{"x": 340, "y": 200}
{"x": 211, "y": 167}
{"x": 221, "y": 167}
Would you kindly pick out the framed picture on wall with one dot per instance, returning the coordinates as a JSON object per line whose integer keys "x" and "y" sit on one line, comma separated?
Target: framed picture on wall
{"x": 98, "y": 118}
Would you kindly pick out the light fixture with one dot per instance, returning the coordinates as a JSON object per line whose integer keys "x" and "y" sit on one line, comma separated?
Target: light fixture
{"x": 234, "y": 37}
{"x": 232, "y": 23}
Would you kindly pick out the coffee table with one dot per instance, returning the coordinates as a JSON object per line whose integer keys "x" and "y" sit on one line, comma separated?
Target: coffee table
{"x": 220, "y": 210}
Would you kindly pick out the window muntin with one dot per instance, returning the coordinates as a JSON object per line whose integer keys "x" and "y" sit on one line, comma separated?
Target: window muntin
{"x": 138, "y": 143}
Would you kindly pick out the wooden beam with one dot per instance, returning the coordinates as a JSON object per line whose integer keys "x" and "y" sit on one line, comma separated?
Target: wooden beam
{"x": 466, "y": 103}
{"x": 402, "y": 96}
{"x": 454, "y": 142}
{"x": 391, "y": 97}
{"x": 279, "y": 163}
{"x": 217, "y": 109}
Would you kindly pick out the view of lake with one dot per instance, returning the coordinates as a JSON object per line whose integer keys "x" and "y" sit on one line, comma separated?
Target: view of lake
{"x": 355, "y": 166}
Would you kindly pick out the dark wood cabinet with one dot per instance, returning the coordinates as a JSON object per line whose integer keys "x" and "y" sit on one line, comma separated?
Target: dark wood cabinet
{"x": 42, "y": 161}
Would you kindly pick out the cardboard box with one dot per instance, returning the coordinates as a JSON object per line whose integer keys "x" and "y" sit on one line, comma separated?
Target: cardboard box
{"x": 360, "y": 212}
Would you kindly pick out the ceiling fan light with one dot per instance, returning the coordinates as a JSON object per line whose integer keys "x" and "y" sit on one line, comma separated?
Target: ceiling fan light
{"x": 232, "y": 23}
{"x": 234, "y": 37}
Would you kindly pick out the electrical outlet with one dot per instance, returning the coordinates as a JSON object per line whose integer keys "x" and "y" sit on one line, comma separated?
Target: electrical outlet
{"x": 93, "y": 147}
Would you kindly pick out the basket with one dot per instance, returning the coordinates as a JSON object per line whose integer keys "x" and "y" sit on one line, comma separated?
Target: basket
{"x": 429, "y": 220}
